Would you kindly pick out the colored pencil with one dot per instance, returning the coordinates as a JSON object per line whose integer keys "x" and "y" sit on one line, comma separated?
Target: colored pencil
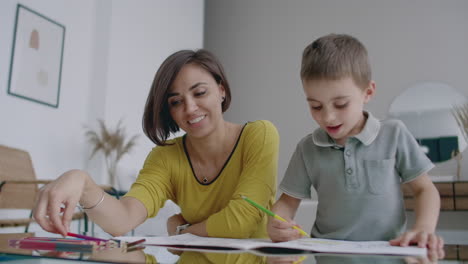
{"x": 62, "y": 244}
{"x": 134, "y": 243}
{"x": 66, "y": 240}
{"x": 85, "y": 237}
{"x": 135, "y": 248}
{"x": 56, "y": 246}
{"x": 270, "y": 213}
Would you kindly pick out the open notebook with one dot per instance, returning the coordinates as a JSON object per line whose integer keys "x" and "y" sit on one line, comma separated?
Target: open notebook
{"x": 266, "y": 246}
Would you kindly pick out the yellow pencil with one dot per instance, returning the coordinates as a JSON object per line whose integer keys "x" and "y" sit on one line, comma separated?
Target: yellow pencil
{"x": 270, "y": 213}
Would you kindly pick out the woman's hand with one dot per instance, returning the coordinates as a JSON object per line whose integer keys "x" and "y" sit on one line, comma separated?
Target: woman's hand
{"x": 56, "y": 201}
{"x": 173, "y": 222}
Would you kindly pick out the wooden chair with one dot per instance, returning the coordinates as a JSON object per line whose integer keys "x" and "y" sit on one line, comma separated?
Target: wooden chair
{"x": 19, "y": 186}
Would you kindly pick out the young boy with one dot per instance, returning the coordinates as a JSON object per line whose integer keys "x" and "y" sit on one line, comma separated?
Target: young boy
{"x": 355, "y": 162}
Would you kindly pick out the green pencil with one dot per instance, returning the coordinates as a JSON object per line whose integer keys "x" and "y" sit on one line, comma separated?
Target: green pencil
{"x": 270, "y": 213}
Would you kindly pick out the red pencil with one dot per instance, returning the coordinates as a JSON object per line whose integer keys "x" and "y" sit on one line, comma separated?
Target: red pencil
{"x": 134, "y": 243}
{"x": 57, "y": 246}
{"x": 86, "y": 237}
{"x": 75, "y": 241}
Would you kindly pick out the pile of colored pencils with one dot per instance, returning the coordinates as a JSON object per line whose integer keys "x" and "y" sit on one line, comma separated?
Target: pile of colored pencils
{"x": 79, "y": 243}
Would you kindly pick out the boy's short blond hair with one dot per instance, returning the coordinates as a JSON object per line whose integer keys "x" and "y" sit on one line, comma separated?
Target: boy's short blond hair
{"x": 336, "y": 56}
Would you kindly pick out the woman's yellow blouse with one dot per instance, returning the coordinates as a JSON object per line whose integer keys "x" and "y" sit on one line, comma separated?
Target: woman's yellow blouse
{"x": 250, "y": 171}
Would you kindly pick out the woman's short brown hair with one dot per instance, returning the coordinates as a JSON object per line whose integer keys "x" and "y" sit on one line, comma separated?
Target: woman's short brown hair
{"x": 157, "y": 120}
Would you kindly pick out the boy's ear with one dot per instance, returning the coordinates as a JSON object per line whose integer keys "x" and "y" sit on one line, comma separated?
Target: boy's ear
{"x": 369, "y": 92}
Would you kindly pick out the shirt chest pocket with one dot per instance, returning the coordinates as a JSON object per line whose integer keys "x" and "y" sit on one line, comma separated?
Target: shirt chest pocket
{"x": 380, "y": 175}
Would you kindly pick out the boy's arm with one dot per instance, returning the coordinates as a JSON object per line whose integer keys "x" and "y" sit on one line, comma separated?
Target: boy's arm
{"x": 427, "y": 208}
{"x": 427, "y": 205}
{"x": 279, "y": 231}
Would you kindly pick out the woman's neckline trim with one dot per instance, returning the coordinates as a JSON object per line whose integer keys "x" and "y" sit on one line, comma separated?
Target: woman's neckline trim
{"x": 225, "y": 163}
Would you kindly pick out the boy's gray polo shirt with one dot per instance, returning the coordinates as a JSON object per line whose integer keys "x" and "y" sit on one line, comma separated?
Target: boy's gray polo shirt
{"x": 358, "y": 185}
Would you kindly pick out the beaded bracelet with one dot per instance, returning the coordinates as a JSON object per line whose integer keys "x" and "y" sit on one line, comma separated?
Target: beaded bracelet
{"x": 98, "y": 203}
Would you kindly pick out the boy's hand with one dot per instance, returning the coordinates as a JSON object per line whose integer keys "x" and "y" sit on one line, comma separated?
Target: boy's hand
{"x": 280, "y": 231}
{"x": 433, "y": 242}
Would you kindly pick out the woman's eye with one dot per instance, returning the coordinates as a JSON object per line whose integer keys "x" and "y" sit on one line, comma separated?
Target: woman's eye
{"x": 174, "y": 103}
{"x": 200, "y": 93}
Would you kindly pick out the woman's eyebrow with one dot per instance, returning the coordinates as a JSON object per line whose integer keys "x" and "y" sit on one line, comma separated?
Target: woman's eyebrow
{"x": 191, "y": 88}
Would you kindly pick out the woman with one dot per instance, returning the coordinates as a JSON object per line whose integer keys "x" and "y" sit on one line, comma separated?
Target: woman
{"x": 205, "y": 172}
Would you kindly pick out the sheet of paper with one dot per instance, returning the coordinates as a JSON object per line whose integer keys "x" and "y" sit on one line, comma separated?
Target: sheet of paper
{"x": 308, "y": 244}
{"x": 352, "y": 247}
{"x": 193, "y": 240}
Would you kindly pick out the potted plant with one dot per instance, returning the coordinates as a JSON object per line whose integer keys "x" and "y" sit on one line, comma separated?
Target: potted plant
{"x": 460, "y": 112}
{"x": 113, "y": 143}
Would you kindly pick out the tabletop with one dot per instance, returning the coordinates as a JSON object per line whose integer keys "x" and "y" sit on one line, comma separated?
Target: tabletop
{"x": 153, "y": 254}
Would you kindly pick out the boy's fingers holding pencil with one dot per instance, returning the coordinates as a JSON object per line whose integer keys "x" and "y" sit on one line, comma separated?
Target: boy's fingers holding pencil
{"x": 280, "y": 231}
{"x": 286, "y": 235}
{"x": 279, "y": 224}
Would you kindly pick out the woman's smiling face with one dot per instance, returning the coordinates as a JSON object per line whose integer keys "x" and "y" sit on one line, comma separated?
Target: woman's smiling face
{"x": 195, "y": 101}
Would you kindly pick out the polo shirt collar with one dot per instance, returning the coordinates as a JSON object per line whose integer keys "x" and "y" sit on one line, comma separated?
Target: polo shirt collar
{"x": 368, "y": 134}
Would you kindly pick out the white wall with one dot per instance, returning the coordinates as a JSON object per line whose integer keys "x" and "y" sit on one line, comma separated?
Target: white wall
{"x": 112, "y": 50}
{"x": 142, "y": 35}
{"x": 54, "y": 137}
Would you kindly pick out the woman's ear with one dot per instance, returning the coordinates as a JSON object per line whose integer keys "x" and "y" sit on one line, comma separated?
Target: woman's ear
{"x": 222, "y": 91}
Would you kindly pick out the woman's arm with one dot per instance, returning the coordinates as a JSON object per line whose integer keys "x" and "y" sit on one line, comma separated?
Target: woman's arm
{"x": 116, "y": 217}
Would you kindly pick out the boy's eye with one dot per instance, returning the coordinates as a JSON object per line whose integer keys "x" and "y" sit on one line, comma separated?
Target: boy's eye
{"x": 316, "y": 108}
{"x": 340, "y": 106}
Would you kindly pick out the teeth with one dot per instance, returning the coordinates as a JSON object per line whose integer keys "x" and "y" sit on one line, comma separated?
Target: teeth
{"x": 196, "y": 120}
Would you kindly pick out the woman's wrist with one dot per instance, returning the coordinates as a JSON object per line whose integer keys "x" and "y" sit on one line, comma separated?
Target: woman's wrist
{"x": 181, "y": 228}
{"x": 91, "y": 194}
{"x": 174, "y": 222}
{"x": 96, "y": 204}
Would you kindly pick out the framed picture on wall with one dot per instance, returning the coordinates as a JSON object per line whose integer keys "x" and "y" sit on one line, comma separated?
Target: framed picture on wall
{"x": 36, "y": 57}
